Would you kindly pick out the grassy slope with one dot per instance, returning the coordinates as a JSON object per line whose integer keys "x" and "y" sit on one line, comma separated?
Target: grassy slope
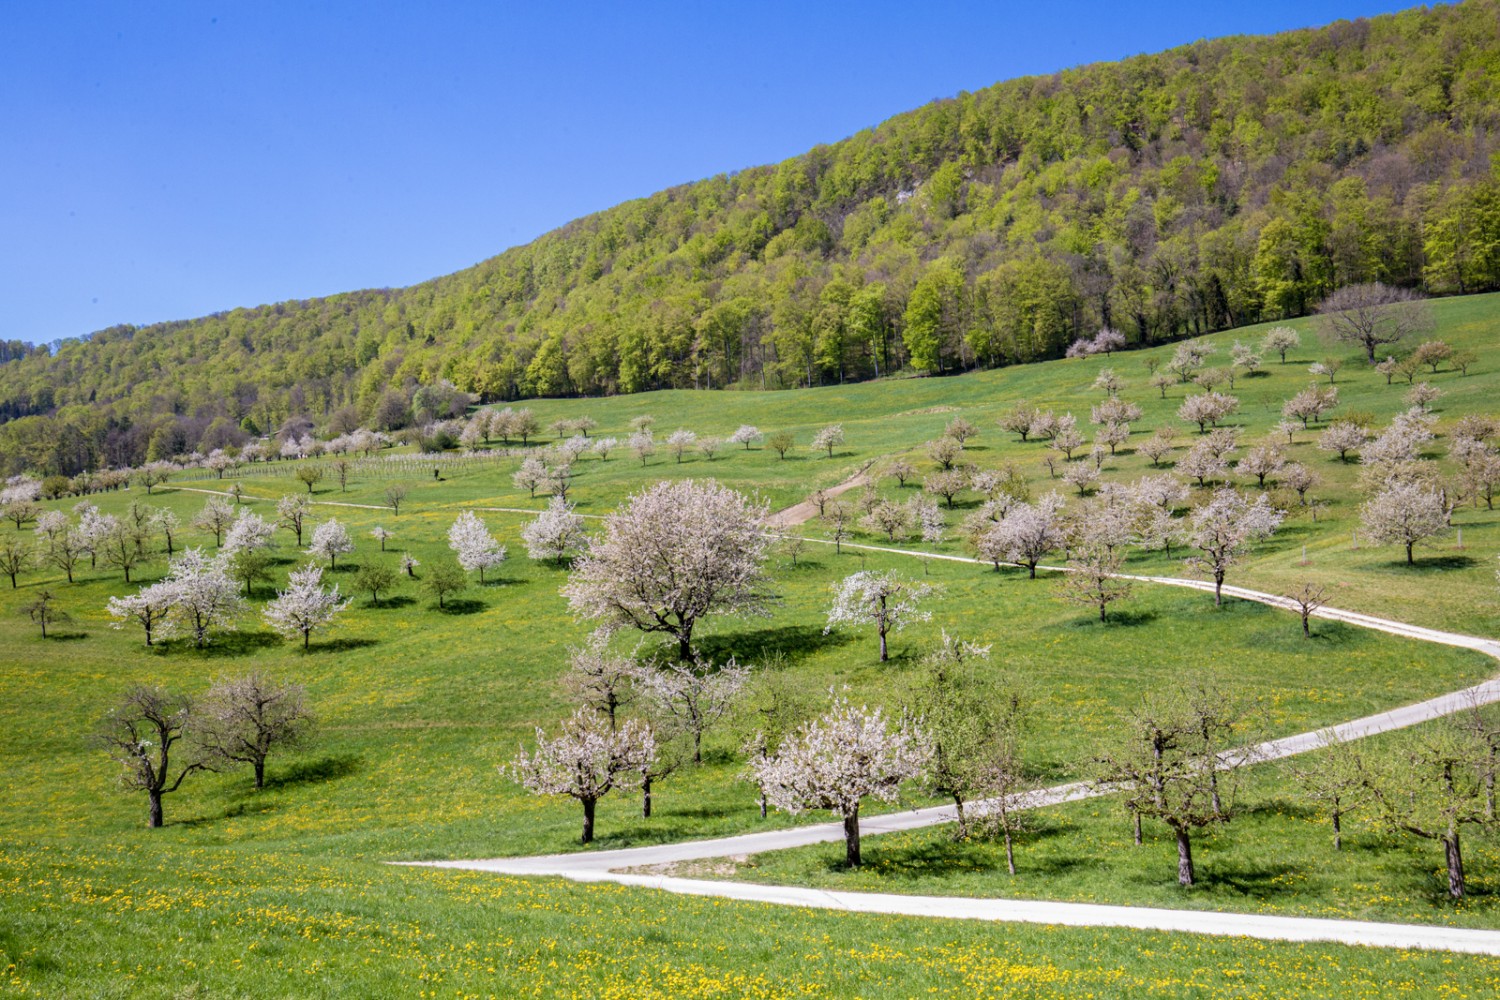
{"x": 1275, "y": 856}
{"x": 417, "y": 714}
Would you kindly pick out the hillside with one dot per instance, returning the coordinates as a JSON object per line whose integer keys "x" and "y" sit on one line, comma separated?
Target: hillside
{"x": 285, "y": 890}
{"x": 1210, "y": 186}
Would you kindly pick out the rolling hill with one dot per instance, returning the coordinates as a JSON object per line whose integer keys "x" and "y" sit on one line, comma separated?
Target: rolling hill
{"x": 1213, "y": 185}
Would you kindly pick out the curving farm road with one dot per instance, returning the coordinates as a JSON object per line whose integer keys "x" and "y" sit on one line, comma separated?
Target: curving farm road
{"x": 610, "y": 866}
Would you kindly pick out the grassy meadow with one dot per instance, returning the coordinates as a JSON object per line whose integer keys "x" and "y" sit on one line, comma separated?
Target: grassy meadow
{"x": 284, "y": 892}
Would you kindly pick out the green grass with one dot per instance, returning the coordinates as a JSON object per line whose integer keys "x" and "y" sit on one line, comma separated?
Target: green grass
{"x": 418, "y": 709}
{"x": 1275, "y": 856}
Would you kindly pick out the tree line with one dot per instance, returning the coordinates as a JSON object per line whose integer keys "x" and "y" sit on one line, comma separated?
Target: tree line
{"x": 1210, "y": 186}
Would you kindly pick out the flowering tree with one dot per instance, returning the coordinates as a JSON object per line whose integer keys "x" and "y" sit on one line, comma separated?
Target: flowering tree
{"x": 1279, "y": 340}
{"x": 838, "y": 760}
{"x": 215, "y": 517}
{"x": 249, "y": 532}
{"x": 329, "y": 541}
{"x": 585, "y": 760}
{"x": 1026, "y": 534}
{"x": 679, "y": 441}
{"x": 746, "y": 434}
{"x": 828, "y": 438}
{"x": 292, "y": 511}
{"x": 1224, "y": 528}
{"x": 1094, "y": 579}
{"x": 555, "y": 533}
{"x": 1262, "y": 461}
{"x": 473, "y": 545}
{"x": 1406, "y": 512}
{"x": 304, "y": 606}
{"x": 695, "y": 693}
{"x": 532, "y": 474}
{"x": 1343, "y": 437}
{"x": 883, "y": 600}
{"x": 675, "y": 552}
{"x": 1206, "y": 408}
{"x": 242, "y": 720}
{"x": 203, "y": 598}
{"x": 643, "y": 444}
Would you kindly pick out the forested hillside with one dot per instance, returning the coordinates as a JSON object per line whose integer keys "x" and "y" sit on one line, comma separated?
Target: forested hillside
{"x": 1209, "y": 186}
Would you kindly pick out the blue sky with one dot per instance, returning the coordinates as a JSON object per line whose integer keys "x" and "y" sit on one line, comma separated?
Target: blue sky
{"x": 161, "y": 161}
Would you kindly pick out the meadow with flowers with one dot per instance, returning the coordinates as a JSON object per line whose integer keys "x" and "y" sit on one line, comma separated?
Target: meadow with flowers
{"x": 286, "y": 890}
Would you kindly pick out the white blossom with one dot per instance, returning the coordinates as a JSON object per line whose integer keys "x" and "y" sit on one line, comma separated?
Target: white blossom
{"x": 249, "y": 531}
{"x": 202, "y": 597}
{"x": 585, "y": 760}
{"x": 828, "y": 438}
{"x": 746, "y": 435}
{"x": 304, "y": 606}
{"x": 1223, "y": 529}
{"x": 838, "y": 760}
{"x": 473, "y": 544}
{"x": 555, "y": 533}
{"x": 1406, "y": 513}
{"x": 675, "y": 552}
{"x": 148, "y": 609}
{"x": 329, "y": 541}
{"x": 883, "y": 600}
{"x": 1025, "y": 534}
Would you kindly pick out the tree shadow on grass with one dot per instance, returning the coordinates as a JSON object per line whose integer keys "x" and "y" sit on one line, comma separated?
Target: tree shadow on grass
{"x": 66, "y": 636}
{"x": 400, "y": 601}
{"x": 793, "y": 641}
{"x": 461, "y": 606}
{"x": 1123, "y": 618}
{"x": 1334, "y": 633}
{"x": 1424, "y": 563}
{"x": 343, "y": 645}
{"x": 229, "y": 644}
{"x": 326, "y": 768}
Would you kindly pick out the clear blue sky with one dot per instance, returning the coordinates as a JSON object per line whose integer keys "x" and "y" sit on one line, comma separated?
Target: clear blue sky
{"x": 165, "y": 160}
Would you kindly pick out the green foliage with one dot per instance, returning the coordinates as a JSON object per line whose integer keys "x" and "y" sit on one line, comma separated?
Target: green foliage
{"x": 1209, "y": 186}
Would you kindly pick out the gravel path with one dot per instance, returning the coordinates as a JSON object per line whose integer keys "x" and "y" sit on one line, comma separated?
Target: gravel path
{"x": 597, "y": 866}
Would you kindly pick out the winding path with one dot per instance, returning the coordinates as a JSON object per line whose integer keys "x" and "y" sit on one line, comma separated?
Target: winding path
{"x": 610, "y": 866}
{"x": 622, "y": 866}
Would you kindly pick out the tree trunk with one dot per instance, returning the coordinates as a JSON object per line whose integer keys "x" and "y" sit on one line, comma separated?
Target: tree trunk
{"x": 1454, "y": 855}
{"x": 1184, "y": 858}
{"x": 963, "y": 821}
{"x": 1010, "y": 854}
{"x": 646, "y": 797}
{"x": 685, "y": 643}
{"x": 155, "y": 820}
{"x": 1032, "y": 568}
{"x": 1102, "y": 607}
{"x": 851, "y": 838}
{"x": 1137, "y": 824}
{"x": 1338, "y": 829}
{"x": 306, "y": 639}
{"x": 588, "y": 821}
{"x": 260, "y": 773}
{"x": 763, "y": 803}
{"x": 884, "y": 654}
{"x": 1408, "y": 553}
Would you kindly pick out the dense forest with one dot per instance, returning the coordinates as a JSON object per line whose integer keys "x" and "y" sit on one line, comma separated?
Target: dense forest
{"x": 1209, "y": 186}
